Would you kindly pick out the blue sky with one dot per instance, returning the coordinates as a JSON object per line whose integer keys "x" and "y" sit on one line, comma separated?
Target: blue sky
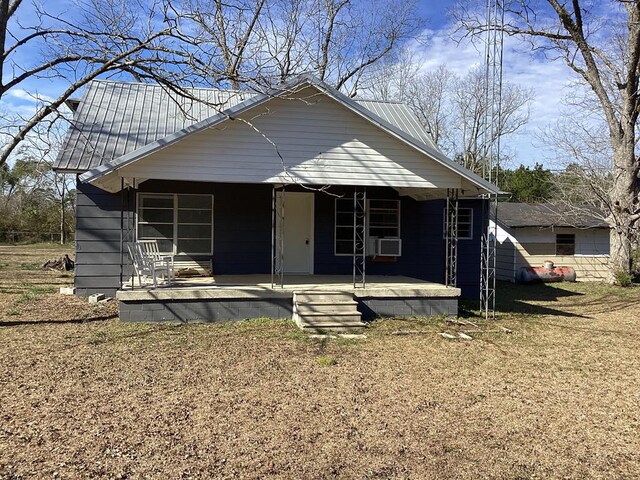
{"x": 549, "y": 80}
{"x": 436, "y": 12}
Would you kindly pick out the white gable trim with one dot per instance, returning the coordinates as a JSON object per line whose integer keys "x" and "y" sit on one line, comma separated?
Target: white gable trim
{"x": 108, "y": 169}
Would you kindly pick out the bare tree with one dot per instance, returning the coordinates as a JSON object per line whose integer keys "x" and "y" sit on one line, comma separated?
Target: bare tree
{"x": 95, "y": 38}
{"x": 582, "y": 155}
{"x": 468, "y": 143}
{"x": 264, "y": 43}
{"x": 600, "y": 42}
{"x": 223, "y": 40}
{"x": 284, "y": 40}
{"x": 429, "y": 97}
{"x": 236, "y": 43}
{"x": 451, "y": 107}
{"x": 356, "y": 34}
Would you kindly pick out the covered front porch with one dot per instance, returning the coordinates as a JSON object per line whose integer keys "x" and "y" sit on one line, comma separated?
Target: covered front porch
{"x": 281, "y": 236}
{"x": 237, "y": 297}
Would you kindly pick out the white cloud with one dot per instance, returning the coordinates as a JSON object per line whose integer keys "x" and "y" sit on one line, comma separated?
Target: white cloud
{"x": 548, "y": 79}
{"x": 35, "y": 97}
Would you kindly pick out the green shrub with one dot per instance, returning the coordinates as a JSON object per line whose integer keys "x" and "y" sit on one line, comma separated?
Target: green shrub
{"x": 622, "y": 278}
{"x": 27, "y": 297}
{"x": 327, "y": 361}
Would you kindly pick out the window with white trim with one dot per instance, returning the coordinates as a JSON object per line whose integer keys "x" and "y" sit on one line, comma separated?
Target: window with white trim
{"x": 383, "y": 220}
{"x": 181, "y": 223}
{"x": 465, "y": 223}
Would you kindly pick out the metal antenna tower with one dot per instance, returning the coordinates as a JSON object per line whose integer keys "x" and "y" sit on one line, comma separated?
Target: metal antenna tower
{"x": 494, "y": 47}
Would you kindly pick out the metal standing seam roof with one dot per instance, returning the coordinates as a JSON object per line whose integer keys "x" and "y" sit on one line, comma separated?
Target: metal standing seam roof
{"x": 519, "y": 215}
{"x": 116, "y": 118}
{"x": 399, "y": 115}
{"x": 101, "y": 121}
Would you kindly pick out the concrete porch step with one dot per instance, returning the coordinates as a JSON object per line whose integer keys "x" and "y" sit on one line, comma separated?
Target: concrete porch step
{"x": 326, "y": 311}
{"x": 322, "y": 297}
{"x": 331, "y": 327}
{"x": 333, "y": 317}
{"x": 311, "y": 308}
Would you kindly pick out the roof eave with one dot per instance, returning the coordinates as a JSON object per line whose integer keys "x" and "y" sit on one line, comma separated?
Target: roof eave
{"x": 95, "y": 173}
{"x": 109, "y": 167}
{"x": 436, "y": 155}
{"x": 540, "y": 225}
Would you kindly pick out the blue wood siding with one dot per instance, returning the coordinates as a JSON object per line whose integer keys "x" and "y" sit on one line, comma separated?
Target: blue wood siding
{"x": 423, "y": 246}
{"x": 98, "y": 229}
{"x": 241, "y": 223}
{"x": 242, "y": 235}
{"x": 469, "y": 251}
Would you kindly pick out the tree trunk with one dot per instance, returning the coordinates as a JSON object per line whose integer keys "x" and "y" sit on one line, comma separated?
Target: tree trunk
{"x": 620, "y": 259}
{"x": 622, "y": 196}
{"x": 62, "y": 215}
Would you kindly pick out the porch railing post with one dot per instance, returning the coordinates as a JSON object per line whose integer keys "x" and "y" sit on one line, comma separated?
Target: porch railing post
{"x": 359, "y": 236}
{"x": 122, "y": 197}
{"x": 451, "y": 238}
{"x": 277, "y": 238}
{"x": 488, "y": 256}
{"x": 273, "y": 235}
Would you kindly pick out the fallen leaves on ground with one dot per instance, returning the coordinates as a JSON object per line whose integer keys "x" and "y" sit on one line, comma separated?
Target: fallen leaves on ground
{"x": 83, "y": 395}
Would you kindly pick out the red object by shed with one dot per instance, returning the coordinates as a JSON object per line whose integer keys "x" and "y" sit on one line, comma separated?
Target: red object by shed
{"x": 548, "y": 273}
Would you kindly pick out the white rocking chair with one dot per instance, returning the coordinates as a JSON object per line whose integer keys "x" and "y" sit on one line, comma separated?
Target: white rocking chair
{"x": 148, "y": 262}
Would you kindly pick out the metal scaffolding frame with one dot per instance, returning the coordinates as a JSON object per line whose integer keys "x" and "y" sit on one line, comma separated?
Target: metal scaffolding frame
{"x": 451, "y": 238}
{"x": 359, "y": 236}
{"x": 277, "y": 236}
{"x": 492, "y": 121}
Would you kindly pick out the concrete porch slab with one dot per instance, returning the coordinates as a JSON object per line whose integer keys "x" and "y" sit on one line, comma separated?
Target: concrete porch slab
{"x": 238, "y": 297}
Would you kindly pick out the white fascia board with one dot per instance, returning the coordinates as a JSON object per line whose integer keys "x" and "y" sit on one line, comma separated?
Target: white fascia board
{"x": 248, "y": 104}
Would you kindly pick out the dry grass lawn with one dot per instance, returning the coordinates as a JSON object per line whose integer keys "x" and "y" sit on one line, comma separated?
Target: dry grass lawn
{"x": 85, "y": 396}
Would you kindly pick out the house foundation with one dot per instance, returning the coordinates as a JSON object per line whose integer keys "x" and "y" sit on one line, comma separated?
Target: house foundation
{"x": 238, "y": 299}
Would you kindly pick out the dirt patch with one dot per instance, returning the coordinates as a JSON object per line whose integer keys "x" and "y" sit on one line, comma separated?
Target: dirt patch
{"x": 83, "y": 395}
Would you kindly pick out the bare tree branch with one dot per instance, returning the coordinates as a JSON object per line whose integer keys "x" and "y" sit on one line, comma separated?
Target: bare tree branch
{"x": 605, "y": 54}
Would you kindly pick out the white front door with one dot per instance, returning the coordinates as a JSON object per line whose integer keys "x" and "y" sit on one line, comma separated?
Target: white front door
{"x": 298, "y": 232}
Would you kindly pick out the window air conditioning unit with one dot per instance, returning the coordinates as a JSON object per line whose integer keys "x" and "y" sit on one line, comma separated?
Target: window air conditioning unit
{"x": 372, "y": 243}
{"x": 388, "y": 247}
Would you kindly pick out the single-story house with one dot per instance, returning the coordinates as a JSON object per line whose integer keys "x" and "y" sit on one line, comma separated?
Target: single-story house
{"x": 275, "y": 194}
{"x": 530, "y": 234}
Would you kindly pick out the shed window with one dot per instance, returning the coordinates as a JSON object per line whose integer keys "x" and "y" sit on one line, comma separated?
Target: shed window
{"x": 565, "y": 244}
{"x": 181, "y": 223}
{"x": 383, "y": 220}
